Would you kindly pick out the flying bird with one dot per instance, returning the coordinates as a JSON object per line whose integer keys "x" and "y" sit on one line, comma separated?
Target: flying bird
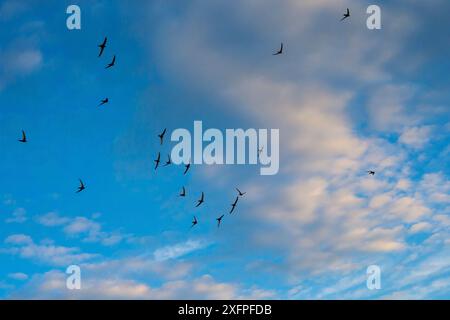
{"x": 168, "y": 162}
{"x": 183, "y": 192}
{"x": 81, "y": 187}
{"x": 279, "y": 51}
{"x": 102, "y": 46}
{"x": 104, "y": 101}
{"x": 233, "y": 205}
{"x": 240, "y": 193}
{"x": 370, "y": 172}
{"x": 346, "y": 15}
{"x": 112, "y": 63}
{"x": 158, "y": 160}
{"x": 161, "y": 136}
{"x": 194, "y": 222}
{"x": 201, "y": 200}
{"x": 187, "y": 168}
{"x": 24, "y": 137}
{"x": 260, "y": 151}
{"x": 219, "y": 220}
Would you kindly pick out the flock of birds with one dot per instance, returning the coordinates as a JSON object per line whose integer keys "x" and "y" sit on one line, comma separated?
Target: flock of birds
{"x": 157, "y": 161}
{"x": 182, "y": 194}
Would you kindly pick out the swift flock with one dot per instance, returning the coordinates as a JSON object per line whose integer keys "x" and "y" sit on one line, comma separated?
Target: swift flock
{"x": 201, "y": 200}
{"x": 161, "y": 136}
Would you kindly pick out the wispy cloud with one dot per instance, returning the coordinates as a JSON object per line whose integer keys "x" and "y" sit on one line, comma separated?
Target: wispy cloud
{"x": 24, "y": 246}
{"x": 90, "y": 230}
{"x": 19, "y": 215}
{"x": 179, "y": 249}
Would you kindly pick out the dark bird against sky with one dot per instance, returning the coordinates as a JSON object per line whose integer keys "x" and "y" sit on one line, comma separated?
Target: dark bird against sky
{"x": 240, "y": 193}
{"x": 158, "y": 160}
{"x": 24, "y": 137}
{"x": 346, "y": 15}
{"x": 201, "y": 200}
{"x": 219, "y": 220}
{"x": 194, "y": 222}
{"x": 112, "y": 63}
{"x": 104, "y": 101}
{"x": 161, "y": 136}
{"x": 279, "y": 51}
{"x": 260, "y": 151}
{"x": 81, "y": 187}
{"x": 187, "y": 168}
{"x": 233, "y": 205}
{"x": 183, "y": 192}
{"x": 102, "y": 46}
{"x": 370, "y": 172}
{"x": 168, "y": 162}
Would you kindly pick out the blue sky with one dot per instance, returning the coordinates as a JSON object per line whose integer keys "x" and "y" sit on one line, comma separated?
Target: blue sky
{"x": 345, "y": 99}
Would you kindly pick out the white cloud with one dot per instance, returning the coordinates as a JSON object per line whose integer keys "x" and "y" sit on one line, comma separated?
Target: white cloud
{"x": 18, "y": 61}
{"x": 52, "y": 219}
{"x": 24, "y": 246}
{"x": 388, "y": 107}
{"x": 179, "y": 250}
{"x": 19, "y": 215}
{"x": 52, "y": 285}
{"x": 18, "y": 239}
{"x": 420, "y": 227}
{"x": 18, "y": 276}
{"x": 416, "y": 137}
{"x": 90, "y": 230}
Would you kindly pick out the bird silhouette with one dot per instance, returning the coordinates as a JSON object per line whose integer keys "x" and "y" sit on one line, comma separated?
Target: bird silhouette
{"x": 81, "y": 187}
{"x": 187, "y": 166}
{"x": 219, "y": 220}
{"x": 233, "y": 205}
{"x": 201, "y": 200}
{"x": 194, "y": 222}
{"x": 112, "y": 63}
{"x": 279, "y": 51}
{"x": 260, "y": 151}
{"x": 161, "y": 136}
{"x": 24, "y": 137}
{"x": 370, "y": 172}
{"x": 158, "y": 160}
{"x": 102, "y": 46}
{"x": 240, "y": 193}
{"x": 183, "y": 192}
{"x": 104, "y": 101}
{"x": 168, "y": 162}
{"x": 346, "y": 15}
